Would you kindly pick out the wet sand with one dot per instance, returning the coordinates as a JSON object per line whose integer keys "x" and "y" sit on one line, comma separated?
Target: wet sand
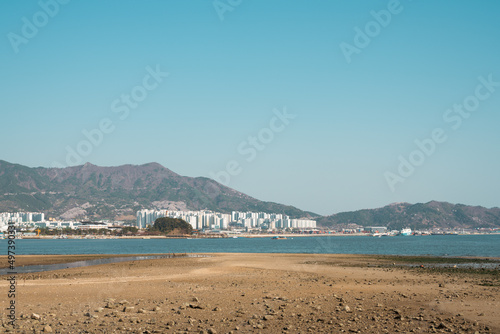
{"x": 252, "y": 293}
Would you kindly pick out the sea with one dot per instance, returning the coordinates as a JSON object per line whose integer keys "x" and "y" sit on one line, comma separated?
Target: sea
{"x": 434, "y": 245}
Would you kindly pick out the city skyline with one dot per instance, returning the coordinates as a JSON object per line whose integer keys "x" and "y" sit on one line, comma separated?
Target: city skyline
{"x": 330, "y": 107}
{"x": 206, "y": 219}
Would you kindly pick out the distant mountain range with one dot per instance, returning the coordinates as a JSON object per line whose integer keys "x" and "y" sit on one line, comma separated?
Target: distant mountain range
{"x": 94, "y": 192}
{"x": 418, "y": 216}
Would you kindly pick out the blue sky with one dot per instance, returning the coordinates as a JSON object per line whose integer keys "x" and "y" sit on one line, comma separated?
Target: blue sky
{"x": 354, "y": 114}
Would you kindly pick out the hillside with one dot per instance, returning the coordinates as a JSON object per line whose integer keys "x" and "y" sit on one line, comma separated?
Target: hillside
{"x": 94, "y": 192}
{"x": 418, "y": 216}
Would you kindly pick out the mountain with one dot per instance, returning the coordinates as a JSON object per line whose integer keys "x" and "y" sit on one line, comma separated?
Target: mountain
{"x": 94, "y": 192}
{"x": 418, "y": 216}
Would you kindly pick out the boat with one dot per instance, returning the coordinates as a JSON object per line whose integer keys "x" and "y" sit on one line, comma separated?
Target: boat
{"x": 405, "y": 232}
{"x": 278, "y": 238}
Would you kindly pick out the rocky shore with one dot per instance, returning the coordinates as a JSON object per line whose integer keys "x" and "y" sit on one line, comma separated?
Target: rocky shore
{"x": 254, "y": 293}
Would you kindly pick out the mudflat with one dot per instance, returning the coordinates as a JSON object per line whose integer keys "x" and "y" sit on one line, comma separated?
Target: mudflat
{"x": 253, "y": 293}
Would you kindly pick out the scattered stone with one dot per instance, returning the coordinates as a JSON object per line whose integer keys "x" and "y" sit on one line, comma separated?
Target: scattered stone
{"x": 110, "y": 305}
{"x": 47, "y": 329}
{"x": 196, "y": 306}
{"x": 128, "y": 309}
{"x": 35, "y": 316}
{"x": 442, "y": 326}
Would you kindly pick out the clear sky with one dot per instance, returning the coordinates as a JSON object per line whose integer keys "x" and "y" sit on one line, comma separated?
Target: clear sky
{"x": 314, "y": 104}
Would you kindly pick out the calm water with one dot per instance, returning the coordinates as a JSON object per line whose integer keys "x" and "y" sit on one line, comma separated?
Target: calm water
{"x": 77, "y": 264}
{"x": 466, "y": 245}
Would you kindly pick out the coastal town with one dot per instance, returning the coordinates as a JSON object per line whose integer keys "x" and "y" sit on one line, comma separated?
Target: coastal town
{"x": 205, "y": 224}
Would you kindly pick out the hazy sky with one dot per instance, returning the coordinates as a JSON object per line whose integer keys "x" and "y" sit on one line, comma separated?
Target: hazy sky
{"x": 314, "y": 104}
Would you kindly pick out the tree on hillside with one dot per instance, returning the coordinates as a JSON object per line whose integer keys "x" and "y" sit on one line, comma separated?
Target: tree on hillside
{"x": 168, "y": 225}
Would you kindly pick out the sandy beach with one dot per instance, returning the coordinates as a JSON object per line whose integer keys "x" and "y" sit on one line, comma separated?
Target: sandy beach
{"x": 252, "y": 293}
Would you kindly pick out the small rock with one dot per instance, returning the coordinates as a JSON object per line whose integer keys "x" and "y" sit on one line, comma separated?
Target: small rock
{"x": 35, "y": 316}
{"x": 347, "y": 309}
{"x": 128, "y": 309}
{"x": 441, "y": 326}
{"x": 194, "y": 306}
{"x": 47, "y": 329}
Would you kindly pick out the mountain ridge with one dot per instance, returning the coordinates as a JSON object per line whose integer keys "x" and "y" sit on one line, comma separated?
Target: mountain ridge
{"x": 95, "y": 192}
{"x": 116, "y": 192}
{"x": 433, "y": 214}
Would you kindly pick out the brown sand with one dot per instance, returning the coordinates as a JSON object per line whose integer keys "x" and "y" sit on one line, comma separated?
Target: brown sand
{"x": 251, "y": 293}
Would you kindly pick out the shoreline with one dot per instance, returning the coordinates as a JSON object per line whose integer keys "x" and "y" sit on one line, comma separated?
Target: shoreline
{"x": 49, "y": 259}
{"x": 287, "y": 235}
